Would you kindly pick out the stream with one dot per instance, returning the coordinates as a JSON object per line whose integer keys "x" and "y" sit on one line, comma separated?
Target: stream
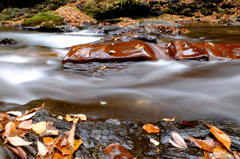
{"x": 31, "y": 73}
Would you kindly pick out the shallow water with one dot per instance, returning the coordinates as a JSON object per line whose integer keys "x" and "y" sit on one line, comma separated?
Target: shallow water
{"x": 31, "y": 73}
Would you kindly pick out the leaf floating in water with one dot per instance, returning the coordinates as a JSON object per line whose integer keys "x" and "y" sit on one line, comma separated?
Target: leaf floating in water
{"x": 178, "y": 141}
{"x": 221, "y": 136}
{"x": 150, "y": 128}
{"x": 168, "y": 120}
{"x": 117, "y": 151}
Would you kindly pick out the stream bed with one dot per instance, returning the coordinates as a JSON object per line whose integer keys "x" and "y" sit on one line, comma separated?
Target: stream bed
{"x": 31, "y": 73}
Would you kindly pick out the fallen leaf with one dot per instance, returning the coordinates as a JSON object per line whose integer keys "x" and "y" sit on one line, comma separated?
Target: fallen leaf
{"x": 71, "y": 136}
{"x": 10, "y": 128}
{"x": 139, "y": 46}
{"x": 77, "y": 143}
{"x": 18, "y": 151}
{"x": 103, "y": 67}
{"x": 39, "y": 127}
{"x": 17, "y": 141}
{"x": 58, "y": 155}
{"x": 207, "y": 145}
{"x": 25, "y": 117}
{"x": 42, "y": 150}
{"x": 69, "y": 118}
{"x": 150, "y": 128}
{"x": 87, "y": 54}
{"x": 221, "y": 136}
{"x": 155, "y": 142}
{"x": 26, "y": 125}
{"x": 117, "y": 151}
{"x": 15, "y": 113}
{"x": 168, "y": 119}
{"x": 4, "y": 117}
{"x": 178, "y": 141}
{"x": 81, "y": 116}
{"x": 60, "y": 117}
{"x": 222, "y": 154}
{"x": 52, "y": 132}
{"x": 236, "y": 154}
{"x": 50, "y": 140}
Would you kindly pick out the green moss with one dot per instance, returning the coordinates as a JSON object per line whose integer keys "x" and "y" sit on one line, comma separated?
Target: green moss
{"x": 46, "y": 17}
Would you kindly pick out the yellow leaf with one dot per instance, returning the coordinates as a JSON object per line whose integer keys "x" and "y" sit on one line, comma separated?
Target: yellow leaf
{"x": 39, "y": 127}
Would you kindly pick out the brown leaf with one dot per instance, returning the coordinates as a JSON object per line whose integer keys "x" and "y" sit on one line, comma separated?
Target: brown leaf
{"x": 103, "y": 67}
{"x": 17, "y": 141}
{"x": 236, "y": 154}
{"x": 208, "y": 144}
{"x": 18, "y": 151}
{"x": 117, "y": 151}
{"x": 4, "y": 117}
{"x": 221, "y": 136}
{"x": 178, "y": 141}
{"x": 42, "y": 150}
{"x": 39, "y": 127}
{"x": 150, "y": 128}
{"x": 52, "y": 132}
{"x": 26, "y": 125}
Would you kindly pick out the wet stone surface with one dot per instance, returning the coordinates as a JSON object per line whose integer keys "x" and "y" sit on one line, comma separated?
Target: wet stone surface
{"x": 96, "y": 135}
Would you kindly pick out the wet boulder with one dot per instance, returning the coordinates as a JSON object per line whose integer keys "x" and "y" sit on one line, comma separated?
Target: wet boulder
{"x": 118, "y": 51}
{"x": 7, "y": 41}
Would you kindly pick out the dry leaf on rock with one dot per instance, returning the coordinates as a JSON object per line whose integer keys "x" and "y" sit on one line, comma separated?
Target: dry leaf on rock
{"x": 4, "y": 117}
{"x": 10, "y": 129}
{"x": 39, "y": 127}
{"x": 117, "y": 151}
{"x": 17, "y": 141}
{"x": 50, "y": 140}
{"x": 150, "y": 128}
{"x": 81, "y": 116}
{"x": 208, "y": 144}
{"x": 58, "y": 155}
{"x": 178, "y": 141}
{"x": 236, "y": 154}
{"x": 155, "y": 142}
{"x": 18, "y": 151}
{"x": 71, "y": 136}
{"x": 168, "y": 119}
{"x": 26, "y": 124}
{"x": 221, "y": 136}
{"x": 42, "y": 150}
{"x": 15, "y": 113}
{"x": 69, "y": 118}
{"x": 26, "y": 117}
{"x": 222, "y": 154}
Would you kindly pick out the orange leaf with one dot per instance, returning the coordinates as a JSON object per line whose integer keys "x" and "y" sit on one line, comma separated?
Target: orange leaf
{"x": 221, "y": 136}
{"x": 49, "y": 140}
{"x": 117, "y": 151}
{"x": 221, "y": 153}
{"x": 208, "y": 144}
{"x": 58, "y": 155}
{"x": 236, "y": 154}
{"x": 68, "y": 118}
{"x": 150, "y": 128}
{"x": 39, "y": 127}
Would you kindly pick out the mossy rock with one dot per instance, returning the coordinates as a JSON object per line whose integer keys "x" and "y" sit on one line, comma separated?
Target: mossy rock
{"x": 13, "y": 13}
{"x": 47, "y": 18}
{"x": 111, "y": 9}
{"x": 206, "y": 11}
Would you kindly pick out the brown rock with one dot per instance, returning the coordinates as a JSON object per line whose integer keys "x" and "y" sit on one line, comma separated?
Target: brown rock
{"x": 122, "y": 51}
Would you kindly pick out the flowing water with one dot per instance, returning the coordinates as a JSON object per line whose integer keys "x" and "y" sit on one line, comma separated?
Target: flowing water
{"x": 31, "y": 73}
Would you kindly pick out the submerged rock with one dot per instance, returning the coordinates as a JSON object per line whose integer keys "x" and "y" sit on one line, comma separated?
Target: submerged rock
{"x": 7, "y": 41}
